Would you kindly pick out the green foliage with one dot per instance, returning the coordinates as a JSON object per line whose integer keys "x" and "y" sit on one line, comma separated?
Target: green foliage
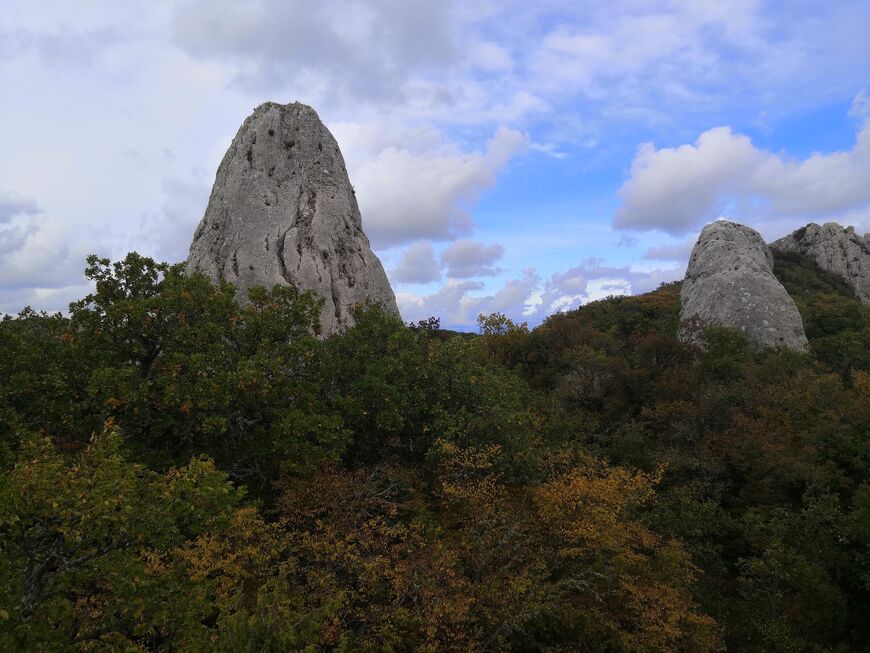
{"x": 183, "y": 369}
{"x": 766, "y": 452}
{"x": 398, "y": 390}
{"x": 592, "y": 484}
{"x": 83, "y": 542}
{"x": 43, "y": 380}
{"x": 837, "y": 325}
{"x": 725, "y": 355}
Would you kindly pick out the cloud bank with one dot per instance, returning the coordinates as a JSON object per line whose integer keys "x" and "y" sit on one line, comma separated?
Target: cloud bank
{"x": 530, "y": 297}
{"x": 678, "y": 189}
{"x": 487, "y": 141}
{"x": 405, "y": 195}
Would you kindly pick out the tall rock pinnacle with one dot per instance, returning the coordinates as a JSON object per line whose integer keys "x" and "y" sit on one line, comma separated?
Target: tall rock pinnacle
{"x": 730, "y": 283}
{"x": 282, "y": 212}
{"x": 836, "y": 249}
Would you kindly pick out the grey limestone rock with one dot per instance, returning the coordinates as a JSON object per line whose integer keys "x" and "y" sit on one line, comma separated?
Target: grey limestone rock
{"x": 836, "y": 249}
{"x": 282, "y": 212}
{"x": 730, "y": 283}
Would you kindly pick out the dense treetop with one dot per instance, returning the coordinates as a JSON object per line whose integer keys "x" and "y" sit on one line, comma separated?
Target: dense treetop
{"x": 183, "y": 473}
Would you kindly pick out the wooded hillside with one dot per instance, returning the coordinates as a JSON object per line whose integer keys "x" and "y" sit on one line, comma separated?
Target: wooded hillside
{"x": 181, "y": 473}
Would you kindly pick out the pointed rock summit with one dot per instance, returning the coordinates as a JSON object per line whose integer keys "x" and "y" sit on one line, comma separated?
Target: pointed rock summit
{"x": 836, "y": 249}
{"x": 730, "y": 283}
{"x": 282, "y": 212}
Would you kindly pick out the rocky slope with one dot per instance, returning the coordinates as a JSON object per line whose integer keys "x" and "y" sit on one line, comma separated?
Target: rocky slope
{"x": 730, "y": 283}
{"x": 283, "y": 212}
{"x": 836, "y": 249}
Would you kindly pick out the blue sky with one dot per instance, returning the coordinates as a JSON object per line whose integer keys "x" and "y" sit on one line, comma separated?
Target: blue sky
{"x": 508, "y": 156}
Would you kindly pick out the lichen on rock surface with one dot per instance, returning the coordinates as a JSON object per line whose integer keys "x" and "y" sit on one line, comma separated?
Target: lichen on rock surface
{"x": 282, "y": 211}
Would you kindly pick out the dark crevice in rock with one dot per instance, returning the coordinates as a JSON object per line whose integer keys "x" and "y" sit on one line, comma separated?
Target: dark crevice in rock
{"x": 336, "y": 298}
{"x": 279, "y": 253}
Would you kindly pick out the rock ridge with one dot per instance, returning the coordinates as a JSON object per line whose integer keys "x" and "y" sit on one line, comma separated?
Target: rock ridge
{"x": 836, "y": 249}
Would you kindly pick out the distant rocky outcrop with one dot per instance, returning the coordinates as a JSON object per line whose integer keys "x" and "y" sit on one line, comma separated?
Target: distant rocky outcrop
{"x": 836, "y": 249}
{"x": 730, "y": 283}
{"x": 282, "y": 212}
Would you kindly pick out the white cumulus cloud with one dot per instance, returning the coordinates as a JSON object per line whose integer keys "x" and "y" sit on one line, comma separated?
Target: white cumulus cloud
{"x": 677, "y": 189}
{"x": 406, "y": 195}
{"x": 13, "y": 204}
{"x": 417, "y": 265}
{"x": 350, "y": 52}
{"x": 530, "y": 297}
{"x": 471, "y": 258}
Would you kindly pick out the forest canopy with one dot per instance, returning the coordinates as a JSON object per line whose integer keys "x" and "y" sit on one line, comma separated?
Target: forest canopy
{"x": 181, "y": 472}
